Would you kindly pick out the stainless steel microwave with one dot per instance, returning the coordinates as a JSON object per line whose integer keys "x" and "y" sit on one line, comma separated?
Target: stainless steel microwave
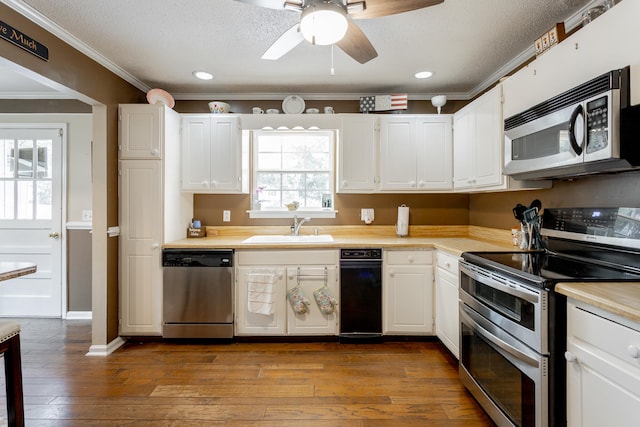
{"x": 588, "y": 129}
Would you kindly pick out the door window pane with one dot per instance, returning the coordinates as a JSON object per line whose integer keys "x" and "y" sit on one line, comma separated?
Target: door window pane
{"x": 7, "y": 198}
{"x": 25, "y": 158}
{"x": 25, "y": 200}
{"x": 43, "y": 204}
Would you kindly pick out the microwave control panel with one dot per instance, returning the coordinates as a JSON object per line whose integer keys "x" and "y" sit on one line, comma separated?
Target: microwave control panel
{"x": 597, "y": 124}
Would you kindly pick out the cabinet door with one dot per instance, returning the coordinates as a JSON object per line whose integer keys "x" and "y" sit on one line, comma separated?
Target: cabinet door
{"x": 447, "y": 318}
{"x": 398, "y": 154}
{"x": 408, "y": 299}
{"x": 248, "y": 323}
{"x": 140, "y": 241}
{"x": 140, "y": 131}
{"x": 226, "y": 155}
{"x": 603, "y": 367}
{"x": 196, "y": 146}
{"x": 489, "y": 139}
{"x": 357, "y": 155}
{"x": 434, "y": 153}
{"x": 313, "y": 322}
{"x": 463, "y": 145}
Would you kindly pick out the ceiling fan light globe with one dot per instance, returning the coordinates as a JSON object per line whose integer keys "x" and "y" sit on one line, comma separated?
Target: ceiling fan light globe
{"x": 323, "y": 23}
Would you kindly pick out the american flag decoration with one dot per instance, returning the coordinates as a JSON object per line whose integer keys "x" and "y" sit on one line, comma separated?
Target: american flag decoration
{"x": 367, "y": 103}
{"x": 396, "y": 101}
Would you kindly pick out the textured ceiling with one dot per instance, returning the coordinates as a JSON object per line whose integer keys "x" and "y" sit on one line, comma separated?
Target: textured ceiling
{"x": 158, "y": 43}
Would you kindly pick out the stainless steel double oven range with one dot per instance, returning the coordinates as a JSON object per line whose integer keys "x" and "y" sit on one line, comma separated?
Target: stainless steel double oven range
{"x": 513, "y": 324}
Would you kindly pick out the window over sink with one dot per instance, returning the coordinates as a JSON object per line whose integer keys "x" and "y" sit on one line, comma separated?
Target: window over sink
{"x": 293, "y": 173}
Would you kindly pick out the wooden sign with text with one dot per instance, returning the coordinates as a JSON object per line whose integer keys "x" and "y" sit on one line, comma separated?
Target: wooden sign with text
{"x": 20, "y": 39}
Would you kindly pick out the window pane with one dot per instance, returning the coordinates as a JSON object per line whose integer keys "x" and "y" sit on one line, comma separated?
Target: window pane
{"x": 7, "y": 164}
{"x": 293, "y": 181}
{"x": 43, "y": 206}
{"x": 293, "y": 161}
{"x": 25, "y": 158}
{"x": 269, "y": 143}
{"x": 269, "y": 161}
{"x": 318, "y": 181}
{"x": 25, "y": 200}
{"x": 314, "y": 199}
{"x": 45, "y": 159}
{"x": 6, "y": 200}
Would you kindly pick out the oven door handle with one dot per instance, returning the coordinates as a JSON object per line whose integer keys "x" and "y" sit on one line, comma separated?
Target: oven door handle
{"x": 527, "y": 296}
{"x": 490, "y": 332}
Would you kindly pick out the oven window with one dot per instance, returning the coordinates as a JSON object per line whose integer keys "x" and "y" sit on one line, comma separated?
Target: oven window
{"x": 508, "y": 387}
{"x": 518, "y": 310}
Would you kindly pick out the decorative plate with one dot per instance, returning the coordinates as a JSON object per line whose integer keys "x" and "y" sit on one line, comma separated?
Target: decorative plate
{"x": 293, "y": 104}
{"x": 159, "y": 96}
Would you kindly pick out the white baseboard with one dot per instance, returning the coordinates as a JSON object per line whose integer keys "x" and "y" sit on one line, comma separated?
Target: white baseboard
{"x": 105, "y": 350}
{"x": 78, "y": 315}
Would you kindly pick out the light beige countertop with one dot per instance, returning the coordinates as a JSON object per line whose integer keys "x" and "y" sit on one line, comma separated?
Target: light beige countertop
{"x": 11, "y": 270}
{"x": 619, "y": 298}
{"x": 454, "y": 239}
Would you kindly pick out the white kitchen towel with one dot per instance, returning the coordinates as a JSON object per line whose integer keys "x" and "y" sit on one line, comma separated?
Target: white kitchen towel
{"x": 260, "y": 293}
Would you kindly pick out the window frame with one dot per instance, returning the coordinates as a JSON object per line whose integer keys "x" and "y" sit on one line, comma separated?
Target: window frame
{"x": 283, "y": 212}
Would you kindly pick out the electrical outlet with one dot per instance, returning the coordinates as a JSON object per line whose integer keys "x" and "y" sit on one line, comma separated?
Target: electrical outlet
{"x": 87, "y": 215}
{"x": 226, "y": 216}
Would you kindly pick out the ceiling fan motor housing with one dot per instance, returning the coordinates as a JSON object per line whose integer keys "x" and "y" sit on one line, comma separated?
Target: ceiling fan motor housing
{"x": 324, "y": 22}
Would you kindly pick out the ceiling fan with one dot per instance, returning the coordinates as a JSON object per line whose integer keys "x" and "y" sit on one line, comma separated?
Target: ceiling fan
{"x": 326, "y": 22}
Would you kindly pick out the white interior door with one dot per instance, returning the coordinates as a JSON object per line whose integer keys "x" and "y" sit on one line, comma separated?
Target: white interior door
{"x": 31, "y": 217}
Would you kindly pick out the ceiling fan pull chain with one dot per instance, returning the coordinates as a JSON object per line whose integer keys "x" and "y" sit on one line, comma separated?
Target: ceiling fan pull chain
{"x": 333, "y": 70}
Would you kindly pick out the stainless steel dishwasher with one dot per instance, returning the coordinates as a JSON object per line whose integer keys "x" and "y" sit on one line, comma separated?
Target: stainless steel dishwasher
{"x": 198, "y": 293}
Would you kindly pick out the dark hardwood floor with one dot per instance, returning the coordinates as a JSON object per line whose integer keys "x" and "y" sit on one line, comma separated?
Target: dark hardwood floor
{"x": 258, "y": 384}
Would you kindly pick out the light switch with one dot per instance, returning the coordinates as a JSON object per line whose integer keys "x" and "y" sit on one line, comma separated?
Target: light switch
{"x": 226, "y": 216}
{"x": 87, "y": 215}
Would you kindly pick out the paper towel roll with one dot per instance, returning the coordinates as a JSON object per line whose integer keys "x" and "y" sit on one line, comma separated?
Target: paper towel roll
{"x": 402, "y": 225}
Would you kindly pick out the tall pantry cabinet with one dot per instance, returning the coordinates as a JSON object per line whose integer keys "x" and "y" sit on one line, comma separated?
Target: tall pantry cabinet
{"x": 152, "y": 210}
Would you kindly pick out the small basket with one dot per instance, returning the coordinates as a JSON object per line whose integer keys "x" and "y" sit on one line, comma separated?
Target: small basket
{"x": 193, "y": 233}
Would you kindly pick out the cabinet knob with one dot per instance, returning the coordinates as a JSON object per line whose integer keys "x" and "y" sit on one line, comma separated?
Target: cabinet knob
{"x": 205, "y": 183}
{"x": 448, "y": 265}
{"x": 570, "y": 357}
{"x": 633, "y": 351}
{"x": 392, "y": 273}
{"x": 154, "y": 152}
{"x": 420, "y": 184}
{"x": 155, "y": 246}
{"x": 410, "y": 258}
{"x": 412, "y": 184}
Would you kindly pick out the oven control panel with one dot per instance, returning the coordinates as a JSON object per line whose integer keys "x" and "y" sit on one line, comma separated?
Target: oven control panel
{"x": 616, "y": 223}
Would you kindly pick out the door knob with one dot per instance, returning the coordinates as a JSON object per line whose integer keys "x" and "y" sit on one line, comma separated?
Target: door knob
{"x": 54, "y": 235}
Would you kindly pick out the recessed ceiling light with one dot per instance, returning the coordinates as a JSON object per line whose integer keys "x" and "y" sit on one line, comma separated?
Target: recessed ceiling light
{"x": 423, "y": 75}
{"x": 203, "y": 75}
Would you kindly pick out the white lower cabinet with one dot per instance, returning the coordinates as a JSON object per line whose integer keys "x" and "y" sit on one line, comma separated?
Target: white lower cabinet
{"x": 407, "y": 292}
{"x": 603, "y": 368}
{"x": 309, "y": 269}
{"x": 447, "y": 317}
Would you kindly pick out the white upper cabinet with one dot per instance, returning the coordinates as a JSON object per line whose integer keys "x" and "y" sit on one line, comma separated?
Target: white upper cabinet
{"x": 601, "y": 46}
{"x": 478, "y": 136}
{"x": 415, "y": 153}
{"x": 357, "y": 154}
{"x": 140, "y": 131}
{"x": 212, "y": 154}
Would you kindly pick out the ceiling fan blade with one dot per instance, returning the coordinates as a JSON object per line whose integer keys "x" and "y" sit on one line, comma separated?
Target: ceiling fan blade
{"x": 287, "y": 41}
{"x": 269, "y": 4}
{"x": 356, "y": 44}
{"x": 378, "y": 8}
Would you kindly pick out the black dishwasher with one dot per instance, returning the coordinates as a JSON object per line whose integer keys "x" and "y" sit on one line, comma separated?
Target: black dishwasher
{"x": 360, "y": 295}
{"x": 197, "y": 293}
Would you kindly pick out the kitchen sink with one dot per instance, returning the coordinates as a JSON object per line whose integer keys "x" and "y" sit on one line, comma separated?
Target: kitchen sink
{"x": 288, "y": 238}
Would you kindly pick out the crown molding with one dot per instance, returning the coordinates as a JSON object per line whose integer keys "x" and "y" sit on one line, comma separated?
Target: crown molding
{"x": 306, "y": 96}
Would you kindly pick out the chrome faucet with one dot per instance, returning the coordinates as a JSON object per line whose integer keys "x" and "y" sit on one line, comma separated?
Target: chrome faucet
{"x": 295, "y": 228}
